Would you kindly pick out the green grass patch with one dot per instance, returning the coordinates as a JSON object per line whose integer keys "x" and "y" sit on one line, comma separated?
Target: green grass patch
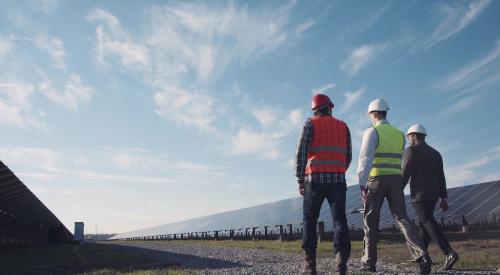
{"x": 83, "y": 258}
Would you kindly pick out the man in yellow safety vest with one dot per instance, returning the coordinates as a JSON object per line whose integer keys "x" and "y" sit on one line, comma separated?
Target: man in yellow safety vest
{"x": 379, "y": 175}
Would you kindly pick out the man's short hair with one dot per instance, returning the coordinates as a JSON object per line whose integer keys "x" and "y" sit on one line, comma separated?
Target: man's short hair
{"x": 381, "y": 114}
{"x": 323, "y": 110}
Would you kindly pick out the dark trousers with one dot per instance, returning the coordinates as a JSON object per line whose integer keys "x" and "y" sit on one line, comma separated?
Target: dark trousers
{"x": 429, "y": 228}
{"x": 315, "y": 194}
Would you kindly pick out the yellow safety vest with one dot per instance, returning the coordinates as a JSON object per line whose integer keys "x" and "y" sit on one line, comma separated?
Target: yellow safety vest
{"x": 389, "y": 151}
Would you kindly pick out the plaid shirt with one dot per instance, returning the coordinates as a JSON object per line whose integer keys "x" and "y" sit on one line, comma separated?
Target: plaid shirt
{"x": 305, "y": 141}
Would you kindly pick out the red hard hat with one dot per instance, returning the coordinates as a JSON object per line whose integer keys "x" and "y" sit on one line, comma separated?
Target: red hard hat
{"x": 320, "y": 100}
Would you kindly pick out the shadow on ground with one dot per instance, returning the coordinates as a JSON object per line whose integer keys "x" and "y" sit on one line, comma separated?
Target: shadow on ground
{"x": 89, "y": 258}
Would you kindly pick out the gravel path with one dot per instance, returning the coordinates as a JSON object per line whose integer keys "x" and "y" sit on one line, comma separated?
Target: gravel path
{"x": 225, "y": 260}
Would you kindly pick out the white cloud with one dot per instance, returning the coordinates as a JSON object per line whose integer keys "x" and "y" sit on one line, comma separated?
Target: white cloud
{"x": 251, "y": 142}
{"x": 5, "y": 46}
{"x": 475, "y": 75}
{"x": 129, "y": 158}
{"x": 207, "y": 40}
{"x": 350, "y": 99}
{"x": 454, "y": 17}
{"x": 46, "y": 6}
{"x": 301, "y": 28}
{"x": 15, "y": 106}
{"x": 75, "y": 92}
{"x": 140, "y": 159}
{"x": 461, "y": 105}
{"x": 55, "y": 48}
{"x": 266, "y": 142}
{"x": 31, "y": 157}
{"x": 323, "y": 88}
{"x": 111, "y": 39}
{"x": 470, "y": 172}
{"x": 265, "y": 115}
{"x": 188, "y": 47}
{"x": 44, "y": 164}
{"x": 361, "y": 57}
{"x": 191, "y": 108}
{"x": 356, "y": 28}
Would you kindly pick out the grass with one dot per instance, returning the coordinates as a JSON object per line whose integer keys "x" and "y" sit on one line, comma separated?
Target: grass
{"x": 96, "y": 259}
{"x": 474, "y": 254}
{"x": 92, "y": 259}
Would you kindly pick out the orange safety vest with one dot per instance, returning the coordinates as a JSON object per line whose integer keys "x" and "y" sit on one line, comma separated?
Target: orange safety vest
{"x": 328, "y": 150}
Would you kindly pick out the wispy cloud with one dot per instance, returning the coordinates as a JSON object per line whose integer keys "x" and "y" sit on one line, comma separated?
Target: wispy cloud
{"x": 356, "y": 28}
{"x": 5, "y": 45}
{"x": 303, "y": 27}
{"x": 177, "y": 104}
{"x": 350, "y": 99}
{"x": 44, "y": 164}
{"x": 15, "y": 106}
{"x": 140, "y": 159}
{"x": 477, "y": 74}
{"x": 469, "y": 172}
{"x": 112, "y": 40}
{"x": 361, "y": 57}
{"x": 188, "y": 47}
{"x": 37, "y": 158}
{"x": 460, "y": 106}
{"x": 55, "y": 48}
{"x": 46, "y": 6}
{"x": 74, "y": 94}
{"x": 453, "y": 17}
{"x": 265, "y": 115}
{"x": 480, "y": 75}
{"x": 323, "y": 88}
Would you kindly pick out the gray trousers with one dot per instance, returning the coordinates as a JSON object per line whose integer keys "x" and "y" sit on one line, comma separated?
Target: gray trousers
{"x": 389, "y": 187}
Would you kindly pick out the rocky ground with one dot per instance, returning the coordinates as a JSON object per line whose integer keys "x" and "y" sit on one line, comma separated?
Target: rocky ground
{"x": 225, "y": 260}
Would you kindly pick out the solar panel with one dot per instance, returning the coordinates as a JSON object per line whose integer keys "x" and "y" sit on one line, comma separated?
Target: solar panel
{"x": 475, "y": 201}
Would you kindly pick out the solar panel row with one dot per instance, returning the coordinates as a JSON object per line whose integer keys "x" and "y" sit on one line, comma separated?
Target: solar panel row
{"x": 23, "y": 216}
{"x": 476, "y": 202}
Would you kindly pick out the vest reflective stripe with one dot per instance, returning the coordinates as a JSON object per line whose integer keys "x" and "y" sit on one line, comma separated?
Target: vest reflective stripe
{"x": 388, "y": 155}
{"x": 386, "y": 165}
{"x": 389, "y": 151}
{"x": 328, "y": 150}
{"x": 326, "y": 162}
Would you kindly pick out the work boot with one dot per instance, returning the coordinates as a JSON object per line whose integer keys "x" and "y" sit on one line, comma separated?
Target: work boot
{"x": 368, "y": 268}
{"x": 425, "y": 264}
{"x": 450, "y": 260}
{"x": 341, "y": 260}
{"x": 309, "y": 267}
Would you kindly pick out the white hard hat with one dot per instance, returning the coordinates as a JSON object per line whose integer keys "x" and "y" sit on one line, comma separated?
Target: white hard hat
{"x": 417, "y": 128}
{"x": 378, "y": 105}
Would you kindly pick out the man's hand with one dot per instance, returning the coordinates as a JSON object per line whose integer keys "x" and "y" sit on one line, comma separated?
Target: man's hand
{"x": 364, "y": 194}
{"x": 443, "y": 204}
{"x": 302, "y": 187}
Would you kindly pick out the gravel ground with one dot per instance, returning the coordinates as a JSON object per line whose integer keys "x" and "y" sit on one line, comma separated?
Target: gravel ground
{"x": 225, "y": 260}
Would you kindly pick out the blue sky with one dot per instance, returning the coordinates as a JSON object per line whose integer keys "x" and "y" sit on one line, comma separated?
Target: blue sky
{"x": 130, "y": 114}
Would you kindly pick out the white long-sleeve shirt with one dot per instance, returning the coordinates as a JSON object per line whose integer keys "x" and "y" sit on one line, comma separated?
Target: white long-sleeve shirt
{"x": 367, "y": 153}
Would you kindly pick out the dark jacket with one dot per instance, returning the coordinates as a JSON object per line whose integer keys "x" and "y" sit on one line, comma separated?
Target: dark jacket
{"x": 423, "y": 166}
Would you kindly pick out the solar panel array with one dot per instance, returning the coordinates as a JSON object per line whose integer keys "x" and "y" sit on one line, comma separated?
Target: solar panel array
{"x": 476, "y": 202}
{"x": 22, "y": 214}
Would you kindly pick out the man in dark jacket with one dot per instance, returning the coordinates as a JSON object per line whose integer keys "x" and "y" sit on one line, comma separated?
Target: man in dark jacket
{"x": 423, "y": 167}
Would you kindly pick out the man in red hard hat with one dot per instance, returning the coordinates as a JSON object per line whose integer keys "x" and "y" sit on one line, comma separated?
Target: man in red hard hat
{"x": 323, "y": 156}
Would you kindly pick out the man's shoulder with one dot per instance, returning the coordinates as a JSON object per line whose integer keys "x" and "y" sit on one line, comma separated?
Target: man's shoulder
{"x": 308, "y": 121}
{"x": 433, "y": 150}
{"x": 426, "y": 149}
{"x": 369, "y": 130}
